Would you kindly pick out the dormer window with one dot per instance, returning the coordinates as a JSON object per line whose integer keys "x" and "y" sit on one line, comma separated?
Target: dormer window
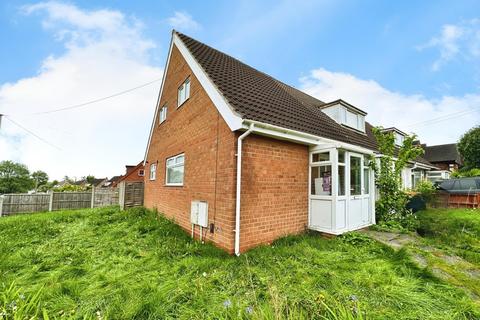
{"x": 398, "y": 135}
{"x": 346, "y": 114}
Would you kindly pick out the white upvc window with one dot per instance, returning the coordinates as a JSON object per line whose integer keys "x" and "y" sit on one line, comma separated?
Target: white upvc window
{"x": 184, "y": 92}
{"x": 153, "y": 171}
{"x": 163, "y": 114}
{"x": 141, "y": 173}
{"x": 175, "y": 170}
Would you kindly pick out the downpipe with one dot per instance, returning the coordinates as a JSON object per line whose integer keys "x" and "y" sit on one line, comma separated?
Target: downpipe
{"x": 239, "y": 188}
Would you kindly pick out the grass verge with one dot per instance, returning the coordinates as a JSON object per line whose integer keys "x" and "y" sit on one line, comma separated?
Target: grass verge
{"x": 104, "y": 263}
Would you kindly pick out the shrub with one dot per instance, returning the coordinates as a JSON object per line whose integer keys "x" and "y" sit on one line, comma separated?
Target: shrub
{"x": 463, "y": 173}
{"x": 426, "y": 189}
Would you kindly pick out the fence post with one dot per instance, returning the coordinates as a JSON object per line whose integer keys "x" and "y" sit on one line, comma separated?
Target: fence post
{"x": 121, "y": 195}
{"x": 93, "y": 197}
{"x": 1, "y": 205}
{"x": 50, "y": 203}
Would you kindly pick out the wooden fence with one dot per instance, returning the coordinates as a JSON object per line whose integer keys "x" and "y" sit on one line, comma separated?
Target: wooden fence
{"x": 444, "y": 199}
{"x": 131, "y": 194}
{"x": 27, "y": 203}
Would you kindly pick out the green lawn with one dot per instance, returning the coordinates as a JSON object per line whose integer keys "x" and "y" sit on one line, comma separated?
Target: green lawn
{"x": 104, "y": 263}
{"x": 454, "y": 230}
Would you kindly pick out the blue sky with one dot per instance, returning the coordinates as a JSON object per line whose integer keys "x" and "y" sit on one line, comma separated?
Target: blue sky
{"x": 404, "y": 62}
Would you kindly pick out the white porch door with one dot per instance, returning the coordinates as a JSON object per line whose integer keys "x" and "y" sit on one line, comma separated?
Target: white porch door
{"x": 358, "y": 192}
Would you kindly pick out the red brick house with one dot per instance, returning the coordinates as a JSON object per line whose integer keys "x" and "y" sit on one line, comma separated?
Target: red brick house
{"x": 265, "y": 159}
{"x": 133, "y": 173}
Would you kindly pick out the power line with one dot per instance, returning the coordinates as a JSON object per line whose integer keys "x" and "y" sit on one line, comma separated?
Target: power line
{"x": 443, "y": 118}
{"x": 30, "y": 132}
{"x": 96, "y": 100}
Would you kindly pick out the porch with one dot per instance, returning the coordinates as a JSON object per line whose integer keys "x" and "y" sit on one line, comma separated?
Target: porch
{"x": 341, "y": 190}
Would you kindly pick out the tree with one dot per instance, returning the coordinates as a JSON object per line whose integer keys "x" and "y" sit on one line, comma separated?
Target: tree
{"x": 14, "y": 177}
{"x": 391, "y": 205}
{"x": 469, "y": 148}
{"x": 40, "y": 178}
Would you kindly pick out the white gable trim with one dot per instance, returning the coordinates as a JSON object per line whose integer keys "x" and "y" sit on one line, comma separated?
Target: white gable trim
{"x": 233, "y": 120}
{"x": 158, "y": 102}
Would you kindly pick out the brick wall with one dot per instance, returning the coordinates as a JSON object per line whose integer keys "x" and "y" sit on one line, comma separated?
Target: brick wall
{"x": 275, "y": 173}
{"x": 274, "y": 190}
{"x": 197, "y": 130}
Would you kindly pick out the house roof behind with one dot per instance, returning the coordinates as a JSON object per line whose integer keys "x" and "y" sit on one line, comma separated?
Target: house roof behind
{"x": 443, "y": 153}
{"x": 257, "y": 96}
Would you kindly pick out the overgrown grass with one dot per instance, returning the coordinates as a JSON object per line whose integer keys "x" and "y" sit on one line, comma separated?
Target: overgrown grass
{"x": 104, "y": 263}
{"x": 454, "y": 230}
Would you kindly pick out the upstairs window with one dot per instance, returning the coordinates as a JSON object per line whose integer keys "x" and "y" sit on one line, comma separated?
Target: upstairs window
{"x": 399, "y": 139}
{"x": 153, "y": 171}
{"x": 346, "y": 115}
{"x": 141, "y": 173}
{"x": 162, "y": 114}
{"x": 184, "y": 92}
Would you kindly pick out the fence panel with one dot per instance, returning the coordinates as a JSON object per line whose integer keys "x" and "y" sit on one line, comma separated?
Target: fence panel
{"x": 444, "y": 199}
{"x": 24, "y": 203}
{"x": 131, "y": 194}
{"x": 71, "y": 200}
{"x": 105, "y": 197}
{"x": 27, "y": 203}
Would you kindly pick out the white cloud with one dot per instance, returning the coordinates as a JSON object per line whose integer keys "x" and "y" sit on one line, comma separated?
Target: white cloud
{"x": 105, "y": 52}
{"x": 388, "y": 108}
{"x": 461, "y": 40}
{"x": 183, "y": 21}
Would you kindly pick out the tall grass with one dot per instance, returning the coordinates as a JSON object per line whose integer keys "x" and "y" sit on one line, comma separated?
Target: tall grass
{"x": 104, "y": 263}
{"x": 454, "y": 230}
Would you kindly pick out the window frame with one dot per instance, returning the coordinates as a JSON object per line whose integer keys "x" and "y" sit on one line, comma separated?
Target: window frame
{"x": 153, "y": 176}
{"x": 183, "y": 87}
{"x": 163, "y": 111}
{"x": 141, "y": 172}
{"x": 175, "y": 165}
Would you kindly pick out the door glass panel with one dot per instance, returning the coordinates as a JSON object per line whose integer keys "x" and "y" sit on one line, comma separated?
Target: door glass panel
{"x": 366, "y": 178}
{"x": 321, "y": 180}
{"x": 341, "y": 180}
{"x": 355, "y": 176}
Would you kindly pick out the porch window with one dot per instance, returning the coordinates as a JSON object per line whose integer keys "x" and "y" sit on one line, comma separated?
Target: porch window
{"x": 366, "y": 176}
{"x": 321, "y": 180}
{"x": 355, "y": 176}
{"x": 341, "y": 172}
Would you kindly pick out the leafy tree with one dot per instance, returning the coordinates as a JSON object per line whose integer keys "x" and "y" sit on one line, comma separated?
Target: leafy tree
{"x": 90, "y": 179}
{"x": 40, "y": 178}
{"x": 391, "y": 205}
{"x": 14, "y": 177}
{"x": 469, "y": 148}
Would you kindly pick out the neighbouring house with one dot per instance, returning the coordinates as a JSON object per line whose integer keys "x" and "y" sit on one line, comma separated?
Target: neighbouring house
{"x": 444, "y": 156}
{"x": 94, "y": 182}
{"x": 240, "y": 159}
{"x": 133, "y": 173}
{"x": 112, "y": 182}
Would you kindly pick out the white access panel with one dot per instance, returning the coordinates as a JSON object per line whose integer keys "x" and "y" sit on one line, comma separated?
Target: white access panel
{"x": 199, "y": 213}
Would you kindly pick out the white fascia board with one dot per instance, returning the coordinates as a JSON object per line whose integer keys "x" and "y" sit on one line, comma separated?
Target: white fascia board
{"x": 233, "y": 120}
{"x": 301, "y": 137}
{"x": 158, "y": 101}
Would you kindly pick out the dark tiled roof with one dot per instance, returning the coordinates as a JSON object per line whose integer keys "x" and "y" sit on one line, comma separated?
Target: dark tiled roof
{"x": 442, "y": 153}
{"x": 257, "y": 96}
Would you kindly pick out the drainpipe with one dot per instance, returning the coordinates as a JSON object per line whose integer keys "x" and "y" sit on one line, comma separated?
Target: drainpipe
{"x": 239, "y": 188}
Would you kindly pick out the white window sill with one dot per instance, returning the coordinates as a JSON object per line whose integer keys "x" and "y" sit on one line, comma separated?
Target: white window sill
{"x": 173, "y": 184}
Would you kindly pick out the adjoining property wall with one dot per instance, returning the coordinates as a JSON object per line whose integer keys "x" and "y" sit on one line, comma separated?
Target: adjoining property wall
{"x": 197, "y": 130}
{"x": 274, "y": 190}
